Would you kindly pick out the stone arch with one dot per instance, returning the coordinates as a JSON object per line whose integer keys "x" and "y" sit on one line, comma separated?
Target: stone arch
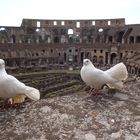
{"x": 138, "y": 39}
{"x": 139, "y": 72}
{"x": 63, "y": 31}
{"x": 132, "y": 70}
{"x": 106, "y": 57}
{"x": 55, "y": 31}
{"x": 82, "y": 56}
{"x": 3, "y": 40}
{"x": 110, "y": 39}
{"x": 76, "y": 58}
{"x": 70, "y": 39}
{"x": 65, "y": 57}
{"x": 85, "y": 35}
{"x": 131, "y": 39}
{"x": 101, "y": 60}
{"x": 85, "y": 32}
{"x": 56, "y": 39}
{"x": 70, "y": 31}
{"x": 136, "y": 70}
{"x": 94, "y": 59}
{"x": 63, "y": 39}
{"x": 87, "y": 55}
{"x": 113, "y": 58}
{"x": 120, "y": 36}
{"x": 13, "y": 38}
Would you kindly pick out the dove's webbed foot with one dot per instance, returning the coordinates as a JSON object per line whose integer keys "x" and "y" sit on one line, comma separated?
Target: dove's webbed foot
{"x": 9, "y": 103}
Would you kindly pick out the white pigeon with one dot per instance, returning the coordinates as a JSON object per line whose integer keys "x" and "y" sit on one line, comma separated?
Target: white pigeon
{"x": 96, "y": 78}
{"x": 10, "y": 87}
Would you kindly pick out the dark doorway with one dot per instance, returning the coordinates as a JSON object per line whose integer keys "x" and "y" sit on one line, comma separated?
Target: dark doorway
{"x": 106, "y": 58}
{"x": 65, "y": 57}
{"x": 94, "y": 59}
{"x": 82, "y": 56}
{"x": 14, "y": 38}
{"x": 56, "y": 39}
{"x": 113, "y": 58}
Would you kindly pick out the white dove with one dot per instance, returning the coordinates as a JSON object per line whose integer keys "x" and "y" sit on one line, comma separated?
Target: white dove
{"x": 96, "y": 78}
{"x": 10, "y": 87}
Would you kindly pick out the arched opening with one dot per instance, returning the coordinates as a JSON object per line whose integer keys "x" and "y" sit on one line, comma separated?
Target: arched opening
{"x": 136, "y": 70}
{"x": 2, "y": 29}
{"x": 113, "y": 58}
{"x": 55, "y": 23}
{"x": 62, "y": 23}
{"x": 106, "y": 57}
{"x": 38, "y": 23}
{"x": 94, "y": 59}
{"x": 139, "y": 72}
{"x": 133, "y": 70}
{"x": 76, "y": 58}
{"x": 138, "y": 39}
{"x": 70, "y": 31}
{"x": 63, "y": 31}
{"x": 87, "y": 55}
{"x": 77, "y": 38}
{"x": 120, "y": 35}
{"x": 56, "y": 39}
{"x": 55, "y": 31}
{"x": 82, "y": 56}
{"x": 121, "y": 55}
{"x": 98, "y": 38}
{"x": 78, "y": 24}
{"x": 109, "y": 22}
{"x": 3, "y": 40}
{"x": 101, "y": 60}
{"x": 4, "y": 35}
{"x": 70, "y": 40}
{"x": 14, "y": 38}
{"x": 65, "y": 57}
{"x": 100, "y": 30}
{"x": 131, "y": 39}
{"x": 110, "y": 39}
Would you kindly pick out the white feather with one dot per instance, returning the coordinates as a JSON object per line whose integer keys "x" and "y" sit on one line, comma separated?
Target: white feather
{"x": 118, "y": 71}
{"x": 10, "y": 86}
{"x": 97, "y": 78}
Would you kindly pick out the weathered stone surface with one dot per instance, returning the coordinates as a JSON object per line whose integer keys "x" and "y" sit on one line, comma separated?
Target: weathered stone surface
{"x": 114, "y": 116}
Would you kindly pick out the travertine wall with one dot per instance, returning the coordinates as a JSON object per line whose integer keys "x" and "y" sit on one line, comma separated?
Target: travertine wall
{"x": 41, "y": 42}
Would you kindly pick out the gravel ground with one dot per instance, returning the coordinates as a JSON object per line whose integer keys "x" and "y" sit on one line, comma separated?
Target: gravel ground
{"x": 113, "y": 116}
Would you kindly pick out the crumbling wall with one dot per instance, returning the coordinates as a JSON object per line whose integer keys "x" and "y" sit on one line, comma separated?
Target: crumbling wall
{"x": 40, "y": 42}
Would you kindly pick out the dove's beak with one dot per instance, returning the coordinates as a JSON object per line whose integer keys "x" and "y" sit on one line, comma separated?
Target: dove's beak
{"x": 85, "y": 62}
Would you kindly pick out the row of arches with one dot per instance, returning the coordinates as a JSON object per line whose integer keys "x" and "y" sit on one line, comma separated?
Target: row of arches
{"x": 108, "y": 59}
{"x": 64, "y": 35}
{"x": 133, "y": 70}
{"x": 63, "y": 39}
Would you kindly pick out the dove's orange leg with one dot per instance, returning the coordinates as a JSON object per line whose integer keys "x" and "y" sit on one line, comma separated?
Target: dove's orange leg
{"x": 8, "y": 104}
{"x": 93, "y": 92}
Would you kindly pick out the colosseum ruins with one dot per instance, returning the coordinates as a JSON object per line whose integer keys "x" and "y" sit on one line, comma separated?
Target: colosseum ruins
{"x": 39, "y": 43}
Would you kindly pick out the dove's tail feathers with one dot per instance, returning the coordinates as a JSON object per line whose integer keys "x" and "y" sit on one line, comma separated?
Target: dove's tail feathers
{"x": 33, "y": 93}
{"x": 119, "y": 72}
{"x": 117, "y": 85}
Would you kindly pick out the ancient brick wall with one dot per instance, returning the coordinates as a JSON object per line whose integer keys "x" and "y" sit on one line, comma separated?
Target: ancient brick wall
{"x": 41, "y": 42}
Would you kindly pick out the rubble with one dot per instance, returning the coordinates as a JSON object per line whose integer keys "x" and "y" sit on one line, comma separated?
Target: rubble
{"x": 76, "y": 116}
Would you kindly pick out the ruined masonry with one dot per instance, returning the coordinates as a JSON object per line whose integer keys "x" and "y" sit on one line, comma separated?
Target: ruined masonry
{"x": 40, "y": 43}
